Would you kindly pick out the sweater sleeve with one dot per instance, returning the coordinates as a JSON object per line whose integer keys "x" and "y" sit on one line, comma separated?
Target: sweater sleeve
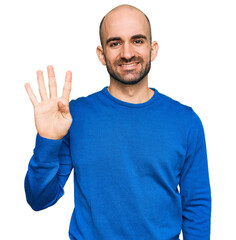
{"x": 48, "y": 171}
{"x": 195, "y": 186}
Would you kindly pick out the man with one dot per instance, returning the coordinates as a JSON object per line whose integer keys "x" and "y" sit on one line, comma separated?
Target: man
{"x": 131, "y": 147}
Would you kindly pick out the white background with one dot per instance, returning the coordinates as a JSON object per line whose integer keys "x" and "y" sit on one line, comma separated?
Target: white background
{"x": 195, "y": 65}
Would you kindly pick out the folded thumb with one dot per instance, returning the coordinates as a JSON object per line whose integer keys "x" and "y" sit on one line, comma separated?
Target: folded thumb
{"x": 62, "y": 107}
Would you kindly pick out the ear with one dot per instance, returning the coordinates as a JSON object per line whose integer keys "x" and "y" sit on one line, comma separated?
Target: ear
{"x": 154, "y": 50}
{"x": 100, "y": 55}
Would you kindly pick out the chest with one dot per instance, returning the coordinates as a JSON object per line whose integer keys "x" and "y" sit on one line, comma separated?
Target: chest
{"x": 124, "y": 145}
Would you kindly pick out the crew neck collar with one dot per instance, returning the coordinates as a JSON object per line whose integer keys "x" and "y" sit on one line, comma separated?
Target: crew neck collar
{"x": 127, "y": 104}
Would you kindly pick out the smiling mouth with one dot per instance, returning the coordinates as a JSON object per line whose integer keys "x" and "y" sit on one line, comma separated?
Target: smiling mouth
{"x": 129, "y": 65}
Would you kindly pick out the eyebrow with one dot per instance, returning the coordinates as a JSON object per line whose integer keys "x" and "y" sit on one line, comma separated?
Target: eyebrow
{"x": 118, "y": 38}
{"x": 139, "y": 36}
{"x": 112, "y": 39}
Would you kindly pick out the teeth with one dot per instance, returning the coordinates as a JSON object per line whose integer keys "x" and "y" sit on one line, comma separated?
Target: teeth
{"x": 132, "y": 64}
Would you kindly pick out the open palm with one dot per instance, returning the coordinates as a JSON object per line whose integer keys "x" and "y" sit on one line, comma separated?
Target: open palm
{"x": 52, "y": 115}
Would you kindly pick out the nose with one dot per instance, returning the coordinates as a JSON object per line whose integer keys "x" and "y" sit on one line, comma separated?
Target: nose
{"x": 127, "y": 51}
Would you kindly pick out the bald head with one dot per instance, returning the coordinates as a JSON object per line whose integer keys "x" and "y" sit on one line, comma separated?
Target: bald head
{"x": 123, "y": 11}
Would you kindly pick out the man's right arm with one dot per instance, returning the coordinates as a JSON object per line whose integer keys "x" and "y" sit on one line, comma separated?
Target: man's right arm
{"x": 50, "y": 165}
{"x": 48, "y": 171}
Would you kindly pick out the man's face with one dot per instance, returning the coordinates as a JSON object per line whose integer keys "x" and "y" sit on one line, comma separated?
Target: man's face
{"x": 126, "y": 46}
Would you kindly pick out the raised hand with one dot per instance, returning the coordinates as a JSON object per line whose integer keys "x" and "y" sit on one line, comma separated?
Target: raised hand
{"x": 52, "y": 115}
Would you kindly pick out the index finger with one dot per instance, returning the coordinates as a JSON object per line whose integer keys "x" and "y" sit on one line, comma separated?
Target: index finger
{"x": 67, "y": 85}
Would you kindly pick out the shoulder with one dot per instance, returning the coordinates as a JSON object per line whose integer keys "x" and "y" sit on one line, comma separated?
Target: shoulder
{"x": 173, "y": 106}
{"x": 82, "y": 105}
{"x": 180, "y": 112}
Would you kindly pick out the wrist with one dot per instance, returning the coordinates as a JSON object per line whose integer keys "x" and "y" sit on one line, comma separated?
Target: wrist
{"x": 47, "y": 146}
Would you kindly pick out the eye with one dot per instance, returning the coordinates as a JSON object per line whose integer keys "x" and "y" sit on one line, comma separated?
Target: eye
{"x": 138, "y": 41}
{"x": 114, "y": 44}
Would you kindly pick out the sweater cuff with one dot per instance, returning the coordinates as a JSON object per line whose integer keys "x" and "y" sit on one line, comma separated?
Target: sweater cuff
{"x": 47, "y": 146}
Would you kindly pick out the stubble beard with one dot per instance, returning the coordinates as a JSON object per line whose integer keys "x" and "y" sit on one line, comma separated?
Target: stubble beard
{"x": 131, "y": 81}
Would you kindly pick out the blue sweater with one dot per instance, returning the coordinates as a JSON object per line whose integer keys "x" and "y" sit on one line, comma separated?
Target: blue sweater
{"x": 140, "y": 170}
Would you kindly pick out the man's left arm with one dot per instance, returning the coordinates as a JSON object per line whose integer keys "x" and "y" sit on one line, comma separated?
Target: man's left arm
{"x": 195, "y": 186}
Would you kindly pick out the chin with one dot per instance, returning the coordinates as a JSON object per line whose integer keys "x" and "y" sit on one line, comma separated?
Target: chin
{"x": 129, "y": 81}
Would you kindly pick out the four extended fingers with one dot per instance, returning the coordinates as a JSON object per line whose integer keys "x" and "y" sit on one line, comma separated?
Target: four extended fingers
{"x": 67, "y": 86}
{"x": 52, "y": 86}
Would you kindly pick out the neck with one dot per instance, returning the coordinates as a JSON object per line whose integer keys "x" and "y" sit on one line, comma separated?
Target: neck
{"x": 137, "y": 93}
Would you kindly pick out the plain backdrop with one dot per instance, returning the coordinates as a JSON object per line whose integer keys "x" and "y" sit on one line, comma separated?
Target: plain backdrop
{"x": 195, "y": 65}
